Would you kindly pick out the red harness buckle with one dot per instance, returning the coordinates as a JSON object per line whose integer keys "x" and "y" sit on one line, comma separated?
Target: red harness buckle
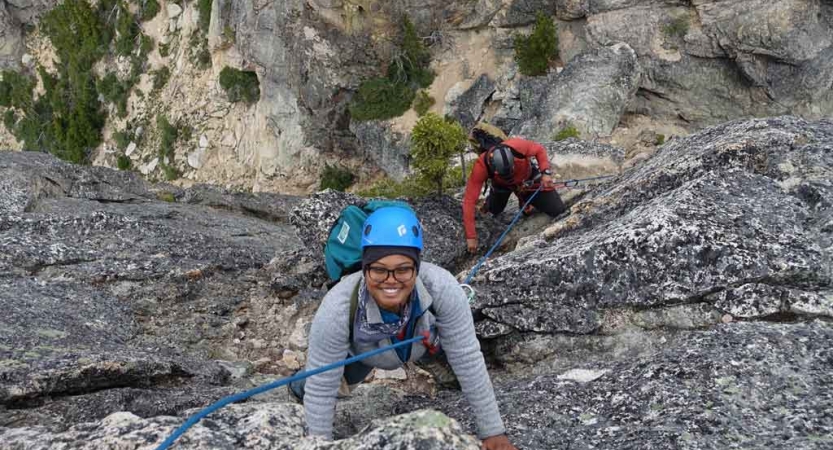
{"x": 426, "y": 341}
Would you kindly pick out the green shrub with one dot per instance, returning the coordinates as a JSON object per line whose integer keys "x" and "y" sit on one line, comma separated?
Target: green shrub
{"x": 164, "y": 50}
{"x": 336, "y": 178}
{"x": 16, "y": 90}
{"x": 185, "y": 133}
{"x": 434, "y": 141}
{"x": 660, "y": 139}
{"x": 122, "y": 139}
{"x": 380, "y": 99}
{"x": 9, "y": 120}
{"x": 228, "y": 36}
{"x": 123, "y": 162}
{"x": 410, "y": 63}
{"x": 127, "y": 30}
{"x": 678, "y": 27}
{"x": 167, "y": 138}
{"x": 160, "y": 77}
{"x": 410, "y": 187}
{"x": 533, "y": 52}
{"x": 149, "y": 10}
{"x": 171, "y": 173}
{"x": 200, "y": 56}
{"x": 204, "y": 7}
{"x": 423, "y": 102}
{"x": 115, "y": 92}
{"x": 569, "y": 131}
{"x": 79, "y": 36}
{"x": 240, "y": 85}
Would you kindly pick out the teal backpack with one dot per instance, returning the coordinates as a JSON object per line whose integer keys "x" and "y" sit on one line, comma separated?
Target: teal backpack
{"x": 343, "y": 250}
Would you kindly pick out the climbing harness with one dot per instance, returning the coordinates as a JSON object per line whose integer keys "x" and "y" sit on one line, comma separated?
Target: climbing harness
{"x": 275, "y": 384}
{"x": 470, "y": 292}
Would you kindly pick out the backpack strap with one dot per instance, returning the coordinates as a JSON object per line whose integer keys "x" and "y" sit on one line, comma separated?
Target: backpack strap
{"x": 354, "y": 305}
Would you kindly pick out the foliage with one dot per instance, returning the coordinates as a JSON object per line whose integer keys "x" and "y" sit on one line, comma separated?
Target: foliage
{"x": 410, "y": 63}
{"x": 166, "y": 196}
{"x": 122, "y": 139}
{"x": 387, "y": 97}
{"x": 434, "y": 140}
{"x": 240, "y": 85}
{"x": 200, "y": 56}
{"x": 115, "y": 92}
{"x": 123, "y": 162}
{"x": 677, "y": 28}
{"x": 167, "y": 138}
{"x": 533, "y": 52}
{"x": 204, "y": 7}
{"x": 336, "y": 178}
{"x": 423, "y": 102}
{"x": 149, "y": 10}
{"x": 171, "y": 172}
{"x": 569, "y": 131}
{"x": 185, "y": 133}
{"x": 228, "y": 36}
{"x": 9, "y": 119}
{"x": 380, "y": 99}
{"x": 77, "y": 33}
{"x": 660, "y": 139}
{"x": 164, "y": 50}
{"x": 16, "y": 89}
{"x": 127, "y": 30}
{"x": 410, "y": 187}
{"x": 160, "y": 77}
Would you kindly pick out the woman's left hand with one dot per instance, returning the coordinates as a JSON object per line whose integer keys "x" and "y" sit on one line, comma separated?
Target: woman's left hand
{"x": 499, "y": 442}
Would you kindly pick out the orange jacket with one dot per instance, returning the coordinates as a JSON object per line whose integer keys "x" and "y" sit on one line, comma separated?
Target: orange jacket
{"x": 523, "y": 172}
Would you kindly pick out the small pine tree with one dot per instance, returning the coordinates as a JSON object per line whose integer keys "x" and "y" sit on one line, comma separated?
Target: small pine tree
{"x": 533, "y": 52}
{"x": 434, "y": 140}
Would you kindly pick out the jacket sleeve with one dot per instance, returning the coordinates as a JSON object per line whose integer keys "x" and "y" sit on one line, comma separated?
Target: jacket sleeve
{"x": 328, "y": 343}
{"x": 531, "y": 149}
{"x": 457, "y": 337}
{"x": 473, "y": 187}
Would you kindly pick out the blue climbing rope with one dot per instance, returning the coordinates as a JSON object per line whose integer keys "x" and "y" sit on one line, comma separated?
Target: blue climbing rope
{"x": 566, "y": 183}
{"x": 500, "y": 239}
{"x": 275, "y": 384}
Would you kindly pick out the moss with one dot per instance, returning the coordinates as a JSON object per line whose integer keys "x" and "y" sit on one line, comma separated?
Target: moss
{"x": 166, "y": 196}
{"x": 569, "y": 131}
{"x": 534, "y": 52}
{"x": 678, "y": 27}
{"x": 240, "y": 85}
{"x": 660, "y": 139}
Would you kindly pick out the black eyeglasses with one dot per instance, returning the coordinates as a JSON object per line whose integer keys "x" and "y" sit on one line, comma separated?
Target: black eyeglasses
{"x": 400, "y": 274}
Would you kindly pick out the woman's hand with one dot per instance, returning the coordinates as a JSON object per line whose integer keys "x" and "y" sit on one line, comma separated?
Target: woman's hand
{"x": 471, "y": 245}
{"x": 499, "y": 442}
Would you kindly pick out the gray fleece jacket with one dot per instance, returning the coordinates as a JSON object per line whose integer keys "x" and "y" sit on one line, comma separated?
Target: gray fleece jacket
{"x": 329, "y": 343}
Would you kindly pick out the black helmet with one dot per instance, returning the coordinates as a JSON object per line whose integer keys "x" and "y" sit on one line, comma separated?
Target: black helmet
{"x": 502, "y": 162}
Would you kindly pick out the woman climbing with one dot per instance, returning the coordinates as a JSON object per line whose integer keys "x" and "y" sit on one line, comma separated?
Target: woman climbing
{"x": 393, "y": 298}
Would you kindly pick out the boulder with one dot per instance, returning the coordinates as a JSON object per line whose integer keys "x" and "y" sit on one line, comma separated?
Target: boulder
{"x": 468, "y": 106}
{"x": 522, "y": 12}
{"x": 590, "y": 94}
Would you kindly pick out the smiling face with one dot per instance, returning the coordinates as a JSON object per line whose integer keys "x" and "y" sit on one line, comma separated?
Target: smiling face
{"x": 391, "y": 293}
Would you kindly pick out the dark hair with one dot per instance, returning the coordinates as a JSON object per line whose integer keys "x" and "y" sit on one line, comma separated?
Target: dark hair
{"x": 484, "y": 140}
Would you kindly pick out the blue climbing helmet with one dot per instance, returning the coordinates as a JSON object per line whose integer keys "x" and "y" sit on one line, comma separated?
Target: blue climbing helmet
{"x": 392, "y": 226}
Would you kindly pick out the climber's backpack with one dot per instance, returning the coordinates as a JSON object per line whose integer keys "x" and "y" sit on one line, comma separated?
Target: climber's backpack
{"x": 343, "y": 250}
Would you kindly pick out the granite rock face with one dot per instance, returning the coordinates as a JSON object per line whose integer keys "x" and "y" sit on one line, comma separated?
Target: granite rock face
{"x": 749, "y": 385}
{"x": 114, "y": 298}
{"x": 711, "y": 219}
{"x": 250, "y": 425}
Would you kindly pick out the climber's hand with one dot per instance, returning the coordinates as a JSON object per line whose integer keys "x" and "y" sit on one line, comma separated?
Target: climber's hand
{"x": 471, "y": 244}
{"x": 499, "y": 442}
